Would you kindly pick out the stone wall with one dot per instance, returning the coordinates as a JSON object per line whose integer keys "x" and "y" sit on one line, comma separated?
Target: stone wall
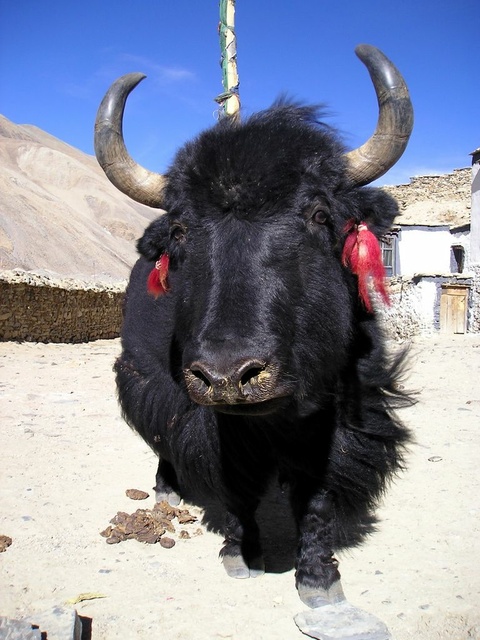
{"x": 38, "y": 308}
{"x": 475, "y": 295}
{"x": 402, "y": 319}
{"x": 415, "y": 305}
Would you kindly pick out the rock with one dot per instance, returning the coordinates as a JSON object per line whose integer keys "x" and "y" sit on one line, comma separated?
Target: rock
{"x": 58, "y": 623}
{"x": 341, "y": 621}
{"x": 18, "y": 630}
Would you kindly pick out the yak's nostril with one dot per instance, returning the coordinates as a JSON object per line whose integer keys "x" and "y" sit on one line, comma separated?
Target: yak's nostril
{"x": 249, "y": 376}
{"x": 201, "y": 376}
{"x": 249, "y": 371}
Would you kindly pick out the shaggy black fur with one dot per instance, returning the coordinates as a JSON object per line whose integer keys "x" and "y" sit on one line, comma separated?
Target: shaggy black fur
{"x": 255, "y": 226}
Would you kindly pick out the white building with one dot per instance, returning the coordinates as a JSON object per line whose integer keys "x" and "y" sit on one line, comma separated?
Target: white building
{"x": 432, "y": 233}
{"x": 428, "y": 255}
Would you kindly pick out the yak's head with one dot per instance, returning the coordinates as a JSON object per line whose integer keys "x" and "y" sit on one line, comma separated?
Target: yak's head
{"x": 257, "y": 216}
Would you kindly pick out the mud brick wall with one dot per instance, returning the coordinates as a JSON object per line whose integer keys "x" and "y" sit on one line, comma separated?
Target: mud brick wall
{"x": 39, "y": 310}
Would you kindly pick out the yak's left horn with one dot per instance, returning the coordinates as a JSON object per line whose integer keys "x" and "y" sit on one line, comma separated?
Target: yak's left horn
{"x": 136, "y": 182}
{"x": 395, "y": 120}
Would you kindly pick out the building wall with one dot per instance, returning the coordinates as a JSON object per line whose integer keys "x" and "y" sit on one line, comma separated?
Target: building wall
{"x": 475, "y": 219}
{"x": 424, "y": 250}
{"x": 474, "y": 258}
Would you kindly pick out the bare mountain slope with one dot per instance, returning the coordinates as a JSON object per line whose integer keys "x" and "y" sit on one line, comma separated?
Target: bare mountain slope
{"x": 59, "y": 213}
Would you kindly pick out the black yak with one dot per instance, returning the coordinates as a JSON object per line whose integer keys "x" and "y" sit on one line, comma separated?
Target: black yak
{"x": 250, "y": 344}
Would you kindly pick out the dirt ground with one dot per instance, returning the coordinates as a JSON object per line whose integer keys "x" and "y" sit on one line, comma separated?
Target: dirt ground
{"x": 67, "y": 458}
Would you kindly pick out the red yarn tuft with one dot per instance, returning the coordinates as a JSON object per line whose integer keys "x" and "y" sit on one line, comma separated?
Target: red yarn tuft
{"x": 363, "y": 256}
{"x": 157, "y": 280}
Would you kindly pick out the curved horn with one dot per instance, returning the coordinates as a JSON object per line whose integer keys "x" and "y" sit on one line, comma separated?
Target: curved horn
{"x": 395, "y": 120}
{"x": 136, "y": 182}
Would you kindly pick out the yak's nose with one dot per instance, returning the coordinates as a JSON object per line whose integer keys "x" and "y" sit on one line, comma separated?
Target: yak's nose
{"x": 236, "y": 383}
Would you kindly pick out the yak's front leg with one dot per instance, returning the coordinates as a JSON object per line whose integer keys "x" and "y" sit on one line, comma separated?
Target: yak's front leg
{"x": 330, "y": 616}
{"x": 241, "y": 552}
{"x": 317, "y": 576}
{"x": 166, "y": 484}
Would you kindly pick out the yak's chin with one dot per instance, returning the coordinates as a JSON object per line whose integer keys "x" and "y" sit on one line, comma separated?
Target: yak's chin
{"x": 265, "y": 408}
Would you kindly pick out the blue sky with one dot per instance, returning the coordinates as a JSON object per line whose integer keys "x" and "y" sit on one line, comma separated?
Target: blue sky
{"x": 58, "y": 57}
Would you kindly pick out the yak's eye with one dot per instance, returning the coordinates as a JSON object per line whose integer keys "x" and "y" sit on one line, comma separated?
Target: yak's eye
{"x": 319, "y": 214}
{"x": 178, "y": 232}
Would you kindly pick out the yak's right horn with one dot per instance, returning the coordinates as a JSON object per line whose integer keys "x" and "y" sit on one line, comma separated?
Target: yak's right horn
{"x": 395, "y": 120}
{"x": 134, "y": 180}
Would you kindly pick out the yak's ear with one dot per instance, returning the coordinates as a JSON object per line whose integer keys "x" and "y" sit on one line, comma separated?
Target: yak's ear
{"x": 378, "y": 209}
{"x": 154, "y": 241}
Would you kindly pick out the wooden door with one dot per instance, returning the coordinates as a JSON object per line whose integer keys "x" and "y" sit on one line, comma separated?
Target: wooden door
{"x": 453, "y": 309}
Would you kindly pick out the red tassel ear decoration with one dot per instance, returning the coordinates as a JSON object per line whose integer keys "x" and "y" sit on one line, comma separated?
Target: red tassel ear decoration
{"x": 157, "y": 280}
{"x": 363, "y": 256}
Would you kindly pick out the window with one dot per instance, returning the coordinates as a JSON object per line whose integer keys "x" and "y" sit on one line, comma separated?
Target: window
{"x": 457, "y": 262}
{"x": 388, "y": 246}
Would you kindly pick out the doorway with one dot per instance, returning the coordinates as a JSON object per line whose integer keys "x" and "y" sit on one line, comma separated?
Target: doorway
{"x": 453, "y": 308}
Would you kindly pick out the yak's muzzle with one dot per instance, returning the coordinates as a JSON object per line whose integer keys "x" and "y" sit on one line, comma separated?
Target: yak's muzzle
{"x": 240, "y": 384}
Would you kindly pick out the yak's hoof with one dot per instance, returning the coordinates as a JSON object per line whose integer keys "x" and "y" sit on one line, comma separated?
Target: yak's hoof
{"x": 236, "y": 567}
{"x": 315, "y": 597}
{"x": 171, "y": 497}
{"x": 341, "y": 621}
